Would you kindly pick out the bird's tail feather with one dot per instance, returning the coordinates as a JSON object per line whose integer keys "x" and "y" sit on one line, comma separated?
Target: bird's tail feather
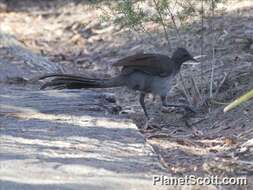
{"x": 62, "y": 81}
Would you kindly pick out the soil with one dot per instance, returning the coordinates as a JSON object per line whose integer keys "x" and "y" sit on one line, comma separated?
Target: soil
{"x": 210, "y": 142}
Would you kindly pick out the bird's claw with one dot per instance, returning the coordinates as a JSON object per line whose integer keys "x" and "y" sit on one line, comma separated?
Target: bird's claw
{"x": 190, "y": 109}
{"x": 150, "y": 125}
{"x": 187, "y": 108}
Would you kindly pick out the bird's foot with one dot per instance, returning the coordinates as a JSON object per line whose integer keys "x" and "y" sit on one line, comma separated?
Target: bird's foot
{"x": 190, "y": 109}
{"x": 187, "y": 108}
{"x": 150, "y": 125}
{"x": 166, "y": 109}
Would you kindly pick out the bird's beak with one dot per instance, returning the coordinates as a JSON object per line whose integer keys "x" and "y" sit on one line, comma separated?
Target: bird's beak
{"x": 197, "y": 57}
{"x": 194, "y": 60}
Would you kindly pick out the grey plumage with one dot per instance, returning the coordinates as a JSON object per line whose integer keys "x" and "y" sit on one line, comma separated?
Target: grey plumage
{"x": 147, "y": 73}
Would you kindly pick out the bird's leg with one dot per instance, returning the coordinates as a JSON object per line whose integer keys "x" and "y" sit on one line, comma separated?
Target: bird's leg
{"x": 186, "y": 107}
{"x": 149, "y": 123}
{"x": 142, "y": 97}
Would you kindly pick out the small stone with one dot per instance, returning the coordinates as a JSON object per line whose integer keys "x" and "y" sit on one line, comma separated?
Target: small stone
{"x": 251, "y": 47}
{"x": 110, "y": 99}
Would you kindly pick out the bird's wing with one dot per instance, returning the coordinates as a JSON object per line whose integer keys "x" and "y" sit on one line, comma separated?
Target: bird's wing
{"x": 155, "y": 64}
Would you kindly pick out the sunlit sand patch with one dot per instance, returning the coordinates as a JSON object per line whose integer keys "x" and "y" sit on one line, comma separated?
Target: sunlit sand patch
{"x": 85, "y": 120}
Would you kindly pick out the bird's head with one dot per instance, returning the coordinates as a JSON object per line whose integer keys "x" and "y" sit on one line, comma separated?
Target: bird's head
{"x": 181, "y": 55}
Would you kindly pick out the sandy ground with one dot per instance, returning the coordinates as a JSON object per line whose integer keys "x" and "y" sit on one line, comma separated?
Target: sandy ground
{"x": 71, "y": 38}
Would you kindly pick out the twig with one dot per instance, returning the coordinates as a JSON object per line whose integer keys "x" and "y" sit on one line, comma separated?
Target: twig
{"x": 175, "y": 25}
{"x": 196, "y": 89}
{"x": 159, "y": 136}
{"x": 218, "y": 103}
{"x": 161, "y": 158}
{"x": 199, "y": 121}
{"x": 213, "y": 52}
{"x": 202, "y": 38}
{"x": 221, "y": 84}
{"x": 162, "y": 22}
{"x": 149, "y": 34}
{"x": 214, "y": 68}
{"x": 186, "y": 93}
{"x": 184, "y": 89}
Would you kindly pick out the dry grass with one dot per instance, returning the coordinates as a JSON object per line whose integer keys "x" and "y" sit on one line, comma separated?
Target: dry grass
{"x": 211, "y": 142}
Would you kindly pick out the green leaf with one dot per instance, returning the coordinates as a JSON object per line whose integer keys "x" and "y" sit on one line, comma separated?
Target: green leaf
{"x": 239, "y": 101}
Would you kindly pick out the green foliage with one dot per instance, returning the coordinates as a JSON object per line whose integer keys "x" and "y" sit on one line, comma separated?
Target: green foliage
{"x": 128, "y": 14}
{"x": 134, "y": 13}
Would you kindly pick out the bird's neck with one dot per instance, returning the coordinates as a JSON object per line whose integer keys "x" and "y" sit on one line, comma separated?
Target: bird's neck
{"x": 177, "y": 64}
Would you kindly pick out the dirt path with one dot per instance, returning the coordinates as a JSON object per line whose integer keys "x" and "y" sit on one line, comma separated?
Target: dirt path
{"x": 47, "y": 142}
{"x": 55, "y": 140}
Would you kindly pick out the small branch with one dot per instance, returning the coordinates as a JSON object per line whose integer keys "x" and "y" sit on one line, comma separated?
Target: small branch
{"x": 240, "y": 100}
{"x": 186, "y": 93}
{"x": 221, "y": 84}
{"x": 213, "y": 53}
{"x": 202, "y": 37}
{"x": 184, "y": 89}
{"x": 175, "y": 25}
{"x": 196, "y": 89}
{"x": 162, "y": 22}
